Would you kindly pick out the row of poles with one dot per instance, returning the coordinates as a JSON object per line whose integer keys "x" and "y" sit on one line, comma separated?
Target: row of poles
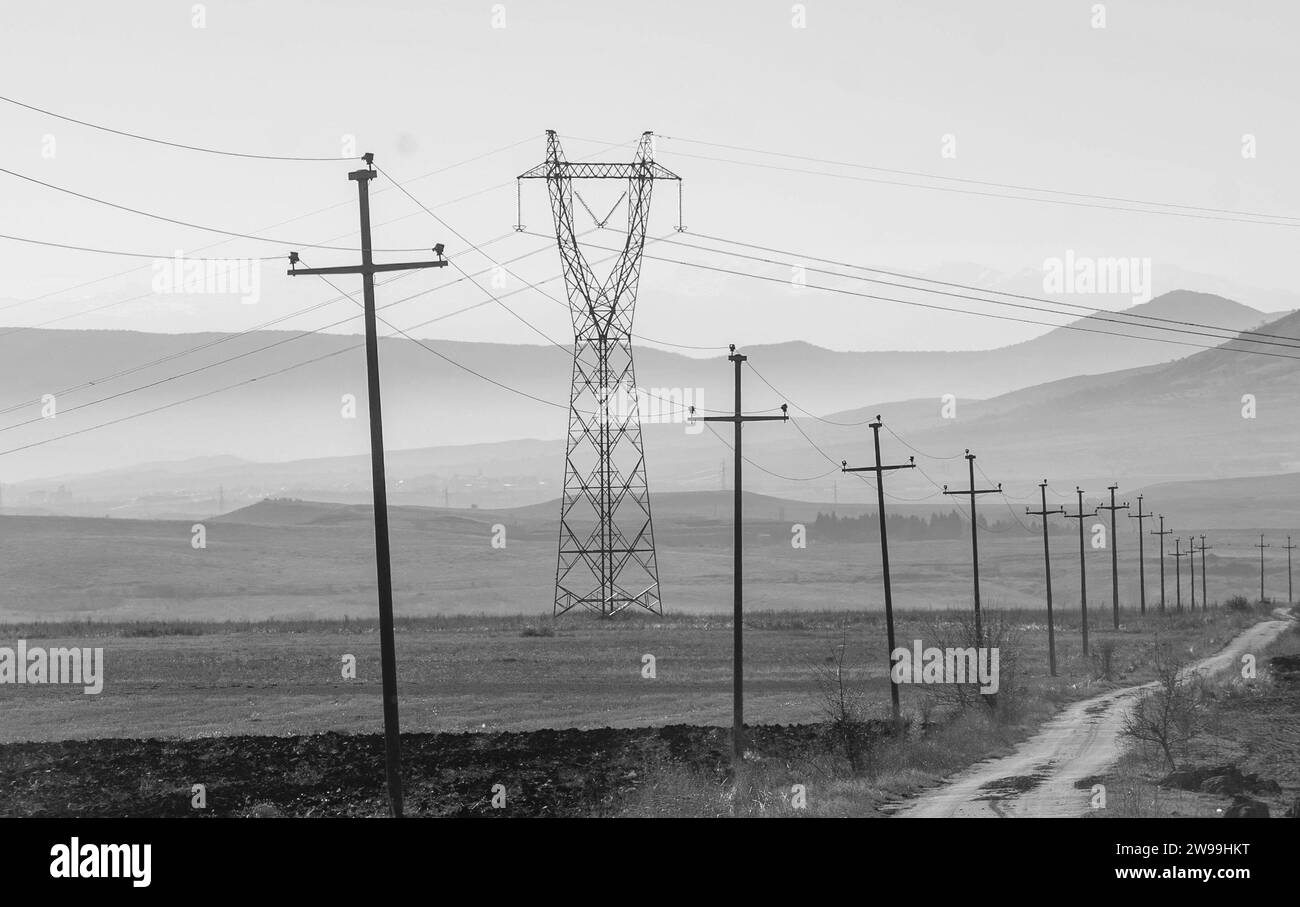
{"x": 738, "y": 418}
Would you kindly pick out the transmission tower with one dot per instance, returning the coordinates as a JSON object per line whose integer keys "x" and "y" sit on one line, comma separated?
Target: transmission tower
{"x": 606, "y": 559}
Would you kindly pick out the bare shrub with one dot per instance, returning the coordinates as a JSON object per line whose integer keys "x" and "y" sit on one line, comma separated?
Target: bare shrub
{"x": 846, "y": 711}
{"x": 998, "y": 631}
{"x": 1171, "y": 714}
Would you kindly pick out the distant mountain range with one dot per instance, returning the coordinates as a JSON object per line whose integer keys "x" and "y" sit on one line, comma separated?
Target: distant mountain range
{"x": 1077, "y": 406}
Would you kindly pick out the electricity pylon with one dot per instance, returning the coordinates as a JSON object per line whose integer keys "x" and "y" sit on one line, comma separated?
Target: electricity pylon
{"x": 606, "y": 559}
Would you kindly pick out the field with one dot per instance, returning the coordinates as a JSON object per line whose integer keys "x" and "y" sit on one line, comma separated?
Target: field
{"x": 303, "y": 561}
{"x": 261, "y": 714}
{"x": 227, "y": 661}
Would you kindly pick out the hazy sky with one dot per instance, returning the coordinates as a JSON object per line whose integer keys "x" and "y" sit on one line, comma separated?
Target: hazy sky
{"x": 1154, "y": 105}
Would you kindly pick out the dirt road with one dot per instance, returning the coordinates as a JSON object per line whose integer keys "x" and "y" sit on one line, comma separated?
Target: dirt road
{"x": 1048, "y": 775}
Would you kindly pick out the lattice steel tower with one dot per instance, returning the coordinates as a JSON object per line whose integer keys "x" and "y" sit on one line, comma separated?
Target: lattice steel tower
{"x": 606, "y": 559}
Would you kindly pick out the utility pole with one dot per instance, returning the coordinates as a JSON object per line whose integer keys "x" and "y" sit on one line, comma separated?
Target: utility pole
{"x": 1162, "y": 533}
{"x": 1205, "y": 596}
{"x": 1047, "y": 571}
{"x": 1261, "y": 546}
{"x": 1178, "y": 572}
{"x": 880, "y": 471}
{"x": 1142, "y": 557}
{"x": 1114, "y": 551}
{"x": 974, "y": 539}
{"x": 383, "y": 566}
{"x": 1191, "y": 570}
{"x": 1083, "y": 571}
{"x": 737, "y": 634}
{"x": 1289, "y": 548}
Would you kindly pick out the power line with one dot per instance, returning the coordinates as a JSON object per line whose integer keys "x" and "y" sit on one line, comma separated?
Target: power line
{"x": 145, "y": 138}
{"x": 1088, "y": 312}
{"x": 307, "y": 362}
{"x": 178, "y": 222}
{"x": 282, "y": 223}
{"x": 75, "y": 248}
{"x": 175, "y": 403}
{"x": 984, "y": 194}
{"x": 957, "y": 179}
{"x": 1114, "y": 317}
{"x": 961, "y": 311}
{"x": 777, "y": 475}
{"x": 225, "y": 338}
{"x": 567, "y": 350}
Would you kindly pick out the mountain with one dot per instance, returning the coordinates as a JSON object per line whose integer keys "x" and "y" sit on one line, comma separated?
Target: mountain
{"x": 113, "y": 399}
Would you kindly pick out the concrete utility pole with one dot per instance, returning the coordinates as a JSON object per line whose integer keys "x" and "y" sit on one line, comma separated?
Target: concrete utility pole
{"x": 383, "y": 566}
{"x": 1047, "y": 570}
{"x": 1083, "y": 570}
{"x": 1114, "y": 551}
{"x": 1205, "y": 596}
{"x": 1178, "y": 571}
{"x": 880, "y": 471}
{"x": 737, "y": 634}
{"x": 1261, "y": 546}
{"x": 1162, "y": 533}
{"x": 1191, "y": 570}
{"x": 974, "y": 539}
{"x": 1142, "y": 557}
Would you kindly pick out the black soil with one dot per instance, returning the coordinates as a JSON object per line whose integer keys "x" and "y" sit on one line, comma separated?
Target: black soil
{"x": 545, "y": 773}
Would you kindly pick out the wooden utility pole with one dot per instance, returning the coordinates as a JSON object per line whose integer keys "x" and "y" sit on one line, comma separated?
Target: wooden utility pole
{"x": 383, "y": 566}
{"x": 974, "y": 539}
{"x": 1289, "y": 548}
{"x": 1191, "y": 570}
{"x": 1162, "y": 533}
{"x": 1083, "y": 569}
{"x": 1261, "y": 546}
{"x": 1047, "y": 571}
{"x": 1114, "y": 551}
{"x": 1178, "y": 572}
{"x": 1142, "y": 557}
{"x": 737, "y": 634}
{"x": 880, "y": 471}
{"x": 1205, "y": 596}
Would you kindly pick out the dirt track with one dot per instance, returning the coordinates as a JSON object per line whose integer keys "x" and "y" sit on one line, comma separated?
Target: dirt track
{"x": 1049, "y": 774}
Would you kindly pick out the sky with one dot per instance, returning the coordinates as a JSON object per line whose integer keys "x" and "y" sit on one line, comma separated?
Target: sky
{"x": 1154, "y": 105}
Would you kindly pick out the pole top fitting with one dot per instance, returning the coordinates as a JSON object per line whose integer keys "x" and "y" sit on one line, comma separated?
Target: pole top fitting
{"x": 369, "y": 158}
